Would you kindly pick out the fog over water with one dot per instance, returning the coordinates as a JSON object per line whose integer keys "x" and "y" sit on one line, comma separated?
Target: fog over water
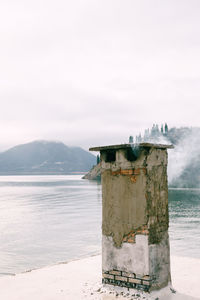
{"x": 186, "y": 153}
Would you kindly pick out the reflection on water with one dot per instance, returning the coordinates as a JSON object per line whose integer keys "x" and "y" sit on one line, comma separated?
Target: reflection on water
{"x": 184, "y": 208}
{"x": 48, "y": 219}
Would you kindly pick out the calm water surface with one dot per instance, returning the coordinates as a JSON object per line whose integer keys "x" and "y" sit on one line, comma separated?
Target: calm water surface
{"x": 49, "y": 219}
{"x": 184, "y": 229}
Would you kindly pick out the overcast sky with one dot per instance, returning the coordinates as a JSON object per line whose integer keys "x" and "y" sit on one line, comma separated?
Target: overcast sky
{"x": 92, "y": 72}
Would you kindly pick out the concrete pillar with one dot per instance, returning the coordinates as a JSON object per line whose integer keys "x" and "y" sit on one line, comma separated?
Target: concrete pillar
{"x": 135, "y": 242}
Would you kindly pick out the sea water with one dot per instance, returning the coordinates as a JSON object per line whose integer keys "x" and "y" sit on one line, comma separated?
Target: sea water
{"x": 49, "y": 219}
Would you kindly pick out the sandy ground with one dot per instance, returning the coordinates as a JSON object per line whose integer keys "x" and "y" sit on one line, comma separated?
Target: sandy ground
{"x": 81, "y": 279}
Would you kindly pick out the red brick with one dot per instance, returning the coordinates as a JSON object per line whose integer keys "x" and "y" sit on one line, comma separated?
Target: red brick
{"x": 114, "y": 272}
{"x": 134, "y": 280}
{"x": 108, "y": 276}
{"x": 121, "y": 278}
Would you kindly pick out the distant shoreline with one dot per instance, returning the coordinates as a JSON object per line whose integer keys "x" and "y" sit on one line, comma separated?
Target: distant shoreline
{"x": 39, "y": 174}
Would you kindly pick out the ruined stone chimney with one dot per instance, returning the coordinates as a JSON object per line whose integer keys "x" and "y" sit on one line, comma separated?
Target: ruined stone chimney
{"x": 135, "y": 242}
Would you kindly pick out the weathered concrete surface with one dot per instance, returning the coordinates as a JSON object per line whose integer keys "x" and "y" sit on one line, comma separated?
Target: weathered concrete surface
{"x": 126, "y": 209}
{"x": 141, "y": 198}
{"x": 157, "y": 195}
{"x": 159, "y": 263}
{"x": 127, "y": 258}
{"x": 135, "y": 215}
{"x": 125, "y": 146}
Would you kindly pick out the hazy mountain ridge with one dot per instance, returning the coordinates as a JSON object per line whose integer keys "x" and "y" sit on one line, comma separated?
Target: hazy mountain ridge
{"x": 45, "y": 157}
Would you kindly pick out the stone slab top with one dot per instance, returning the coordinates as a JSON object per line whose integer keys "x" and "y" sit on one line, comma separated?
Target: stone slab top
{"x": 125, "y": 146}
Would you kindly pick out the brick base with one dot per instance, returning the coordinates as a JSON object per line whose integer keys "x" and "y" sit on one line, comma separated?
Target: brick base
{"x": 128, "y": 280}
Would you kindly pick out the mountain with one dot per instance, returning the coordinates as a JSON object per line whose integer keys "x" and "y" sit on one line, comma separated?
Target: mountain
{"x": 44, "y": 157}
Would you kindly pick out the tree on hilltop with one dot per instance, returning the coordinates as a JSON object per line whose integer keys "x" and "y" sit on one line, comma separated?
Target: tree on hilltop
{"x": 166, "y": 128}
{"x": 131, "y": 139}
{"x": 98, "y": 159}
{"x": 162, "y": 129}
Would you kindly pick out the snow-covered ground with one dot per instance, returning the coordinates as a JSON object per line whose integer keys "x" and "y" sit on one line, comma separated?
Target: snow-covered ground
{"x": 81, "y": 279}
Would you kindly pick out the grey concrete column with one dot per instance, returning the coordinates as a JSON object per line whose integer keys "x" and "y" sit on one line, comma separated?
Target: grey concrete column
{"x": 135, "y": 242}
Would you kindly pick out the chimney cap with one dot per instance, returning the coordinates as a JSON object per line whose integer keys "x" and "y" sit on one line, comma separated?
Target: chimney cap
{"x": 125, "y": 146}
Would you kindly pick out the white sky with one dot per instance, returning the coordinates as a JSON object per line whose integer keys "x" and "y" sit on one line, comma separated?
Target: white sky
{"x": 90, "y": 72}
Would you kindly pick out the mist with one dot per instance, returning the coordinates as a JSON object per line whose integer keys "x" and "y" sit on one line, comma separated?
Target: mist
{"x": 186, "y": 154}
{"x": 184, "y": 159}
